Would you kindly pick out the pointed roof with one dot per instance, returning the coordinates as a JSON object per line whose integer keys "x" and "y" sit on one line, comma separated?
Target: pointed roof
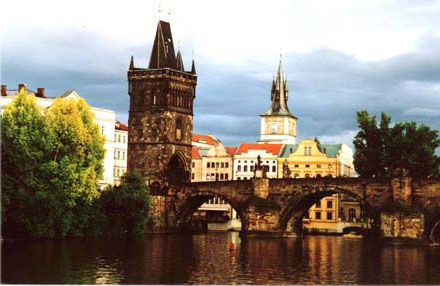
{"x": 179, "y": 62}
{"x": 163, "y": 55}
{"x": 279, "y": 95}
{"x": 193, "y": 67}
{"x": 131, "y": 66}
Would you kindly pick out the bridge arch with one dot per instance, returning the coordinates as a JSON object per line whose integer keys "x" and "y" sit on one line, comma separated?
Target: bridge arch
{"x": 298, "y": 205}
{"x": 191, "y": 203}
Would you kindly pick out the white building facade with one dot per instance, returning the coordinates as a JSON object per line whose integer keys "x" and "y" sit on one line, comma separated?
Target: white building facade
{"x": 103, "y": 117}
{"x": 247, "y": 155}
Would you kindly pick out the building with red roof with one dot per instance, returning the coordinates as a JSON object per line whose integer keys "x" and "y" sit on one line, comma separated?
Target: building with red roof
{"x": 246, "y": 157}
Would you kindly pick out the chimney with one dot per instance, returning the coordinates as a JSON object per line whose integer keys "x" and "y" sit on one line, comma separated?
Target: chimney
{"x": 40, "y": 92}
{"x": 20, "y": 86}
{"x": 4, "y": 88}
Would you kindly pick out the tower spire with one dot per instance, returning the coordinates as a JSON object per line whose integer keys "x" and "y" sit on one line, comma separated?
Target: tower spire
{"x": 131, "y": 66}
{"x": 163, "y": 55}
{"x": 193, "y": 65}
{"x": 179, "y": 61}
{"x": 279, "y": 94}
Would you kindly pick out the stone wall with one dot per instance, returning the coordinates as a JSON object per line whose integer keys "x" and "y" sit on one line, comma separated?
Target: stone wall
{"x": 156, "y": 215}
{"x": 399, "y": 225}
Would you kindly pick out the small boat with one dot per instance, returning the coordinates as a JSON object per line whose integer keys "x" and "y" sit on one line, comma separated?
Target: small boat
{"x": 353, "y": 235}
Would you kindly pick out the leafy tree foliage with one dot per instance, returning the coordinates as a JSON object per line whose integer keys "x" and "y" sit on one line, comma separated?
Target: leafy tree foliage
{"x": 384, "y": 151}
{"x": 50, "y": 160}
{"x": 126, "y": 206}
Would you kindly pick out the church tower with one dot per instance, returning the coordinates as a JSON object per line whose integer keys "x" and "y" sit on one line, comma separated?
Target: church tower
{"x": 160, "y": 122}
{"x": 278, "y": 125}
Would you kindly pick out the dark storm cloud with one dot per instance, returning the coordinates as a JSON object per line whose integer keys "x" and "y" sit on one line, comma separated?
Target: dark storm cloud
{"x": 326, "y": 87}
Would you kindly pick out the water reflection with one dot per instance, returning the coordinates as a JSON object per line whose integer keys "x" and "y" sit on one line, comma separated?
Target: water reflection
{"x": 207, "y": 259}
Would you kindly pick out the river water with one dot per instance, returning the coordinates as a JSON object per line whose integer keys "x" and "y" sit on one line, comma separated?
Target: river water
{"x": 207, "y": 259}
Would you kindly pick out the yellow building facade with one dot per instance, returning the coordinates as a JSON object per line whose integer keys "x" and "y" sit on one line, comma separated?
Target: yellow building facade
{"x": 311, "y": 159}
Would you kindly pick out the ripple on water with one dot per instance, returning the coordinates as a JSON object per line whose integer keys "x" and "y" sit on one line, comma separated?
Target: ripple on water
{"x": 206, "y": 259}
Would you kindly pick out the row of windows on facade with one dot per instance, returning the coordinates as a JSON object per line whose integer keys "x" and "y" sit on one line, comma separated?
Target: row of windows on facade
{"x": 119, "y": 138}
{"x": 351, "y": 214}
{"x": 216, "y": 201}
{"x": 296, "y": 176}
{"x": 252, "y": 168}
{"x": 176, "y": 100}
{"x": 217, "y": 165}
{"x": 119, "y": 172}
{"x": 308, "y": 166}
{"x": 329, "y": 204}
{"x": 213, "y": 177}
{"x": 252, "y": 162}
{"x": 120, "y": 155}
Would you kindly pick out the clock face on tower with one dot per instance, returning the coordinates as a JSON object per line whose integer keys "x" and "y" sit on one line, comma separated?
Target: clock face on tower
{"x": 273, "y": 127}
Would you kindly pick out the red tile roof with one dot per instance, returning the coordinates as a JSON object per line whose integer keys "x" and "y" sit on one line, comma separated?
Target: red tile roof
{"x": 270, "y": 148}
{"x": 200, "y": 138}
{"x": 195, "y": 153}
{"x": 231, "y": 150}
{"x": 120, "y": 126}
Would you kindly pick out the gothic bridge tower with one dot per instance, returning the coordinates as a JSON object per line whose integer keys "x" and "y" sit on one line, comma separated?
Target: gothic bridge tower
{"x": 161, "y": 115}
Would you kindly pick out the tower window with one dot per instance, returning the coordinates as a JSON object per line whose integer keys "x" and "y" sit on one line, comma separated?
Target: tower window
{"x": 179, "y": 129}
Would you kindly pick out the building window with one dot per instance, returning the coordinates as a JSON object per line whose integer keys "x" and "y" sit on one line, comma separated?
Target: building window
{"x": 307, "y": 166}
{"x": 351, "y": 214}
{"x": 119, "y": 154}
{"x": 226, "y": 177}
{"x": 212, "y": 176}
{"x": 363, "y": 215}
{"x": 239, "y": 168}
{"x": 192, "y": 176}
{"x": 329, "y": 216}
{"x": 318, "y": 215}
{"x": 329, "y": 204}
{"x": 222, "y": 165}
{"x": 274, "y": 168}
{"x": 222, "y": 176}
{"x": 318, "y": 166}
{"x": 123, "y": 139}
{"x": 252, "y": 168}
{"x": 226, "y": 165}
{"x": 193, "y": 164}
{"x": 208, "y": 165}
{"x": 296, "y": 166}
{"x": 245, "y": 168}
{"x": 102, "y": 130}
{"x": 217, "y": 164}
{"x": 179, "y": 131}
{"x": 119, "y": 138}
{"x": 318, "y": 204}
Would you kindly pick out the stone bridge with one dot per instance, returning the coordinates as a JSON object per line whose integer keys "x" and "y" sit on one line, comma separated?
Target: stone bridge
{"x": 275, "y": 207}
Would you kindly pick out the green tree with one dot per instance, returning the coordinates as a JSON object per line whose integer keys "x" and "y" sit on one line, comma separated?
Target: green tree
{"x": 126, "y": 206}
{"x": 369, "y": 152}
{"x": 383, "y": 150}
{"x": 50, "y": 160}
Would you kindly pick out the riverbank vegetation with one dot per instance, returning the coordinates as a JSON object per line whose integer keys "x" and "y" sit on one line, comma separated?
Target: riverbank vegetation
{"x": 406, "y": 148}
{"x": 52, "y": 160}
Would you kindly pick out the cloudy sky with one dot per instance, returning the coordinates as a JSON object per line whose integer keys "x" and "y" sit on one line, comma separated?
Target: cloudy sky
{"x": 339, "y": 57}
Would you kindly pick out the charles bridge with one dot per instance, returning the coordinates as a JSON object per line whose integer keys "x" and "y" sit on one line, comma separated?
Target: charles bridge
{"x": 275, "y": 207}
